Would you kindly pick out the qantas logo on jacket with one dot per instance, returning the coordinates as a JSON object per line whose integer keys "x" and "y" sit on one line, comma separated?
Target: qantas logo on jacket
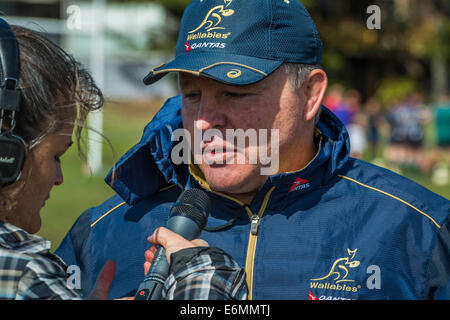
{"x": 300, "y": 184}
{"x": 312, "y": 296}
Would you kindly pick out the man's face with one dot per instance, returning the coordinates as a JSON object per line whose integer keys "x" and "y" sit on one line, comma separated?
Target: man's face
{"x": 269, "y": 104}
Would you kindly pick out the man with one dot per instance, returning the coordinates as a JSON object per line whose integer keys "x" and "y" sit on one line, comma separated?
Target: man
{"x": 321, "y": 226}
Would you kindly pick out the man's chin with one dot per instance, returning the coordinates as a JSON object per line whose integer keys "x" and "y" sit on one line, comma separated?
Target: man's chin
{"x": 231, "y": 179}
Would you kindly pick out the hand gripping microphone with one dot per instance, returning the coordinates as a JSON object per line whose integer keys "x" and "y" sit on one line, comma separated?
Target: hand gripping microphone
{"x": 187, "y": 217}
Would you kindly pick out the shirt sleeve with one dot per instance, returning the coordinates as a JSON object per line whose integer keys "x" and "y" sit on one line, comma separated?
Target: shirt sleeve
{"x": 43, "y": 279}
{"x": 204, "y": 273}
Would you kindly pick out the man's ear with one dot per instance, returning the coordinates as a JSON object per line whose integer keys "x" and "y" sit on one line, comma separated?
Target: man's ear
{"x": 314, "y": 88}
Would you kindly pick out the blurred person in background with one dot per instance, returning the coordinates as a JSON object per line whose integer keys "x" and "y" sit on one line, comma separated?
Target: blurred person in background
{"x": 407, "y": 119}
{"x": 398, "y": 121}
{"x": 442, "y": 120}
{"x": 441, "y": 163}
{"x": 374, "y": 118}
{"x": 355, "y": 123}
{"x": 333, "y": 97}
{"x": 344, "y": 107}
{"x": 417, "y": 116}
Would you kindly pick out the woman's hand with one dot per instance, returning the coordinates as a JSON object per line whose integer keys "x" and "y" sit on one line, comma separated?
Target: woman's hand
{"x": 171, "y": 241}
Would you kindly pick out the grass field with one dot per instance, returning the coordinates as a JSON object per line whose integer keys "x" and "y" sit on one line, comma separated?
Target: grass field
{"x": 123, "y": 125}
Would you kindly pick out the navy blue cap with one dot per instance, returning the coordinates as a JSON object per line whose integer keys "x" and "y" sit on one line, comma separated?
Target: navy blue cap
{"x": 241, "y": 42}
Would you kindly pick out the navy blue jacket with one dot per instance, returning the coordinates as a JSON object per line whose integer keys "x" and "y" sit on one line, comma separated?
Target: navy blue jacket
{"x": 340, "y": 228}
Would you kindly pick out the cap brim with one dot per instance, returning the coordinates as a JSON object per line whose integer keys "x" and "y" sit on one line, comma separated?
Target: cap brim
{"x": 227, "y": 68}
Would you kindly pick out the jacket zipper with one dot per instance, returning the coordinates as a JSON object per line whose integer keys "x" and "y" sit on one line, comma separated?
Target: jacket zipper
{"x": 254, "y": 225}
{"x": 253, "y": 238}
{"x": 255, "y": 220}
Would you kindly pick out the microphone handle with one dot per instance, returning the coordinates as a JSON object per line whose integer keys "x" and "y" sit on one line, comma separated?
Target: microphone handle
{"x": 152, "y": 286}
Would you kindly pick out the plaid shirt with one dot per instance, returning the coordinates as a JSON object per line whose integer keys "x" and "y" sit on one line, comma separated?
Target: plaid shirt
{"x": 204, "y": 273}
{"x": 28, "y": 270}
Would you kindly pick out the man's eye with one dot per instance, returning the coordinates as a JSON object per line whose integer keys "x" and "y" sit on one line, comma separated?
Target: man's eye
{"x": 236, "y": 95}
{"x": 190, "y": 96}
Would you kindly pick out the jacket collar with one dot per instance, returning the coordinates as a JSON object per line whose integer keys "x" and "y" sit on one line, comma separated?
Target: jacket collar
{"x": 146, "y": 167}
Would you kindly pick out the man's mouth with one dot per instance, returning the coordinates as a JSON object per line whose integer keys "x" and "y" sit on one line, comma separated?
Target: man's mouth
{"x": 218, "y": 154}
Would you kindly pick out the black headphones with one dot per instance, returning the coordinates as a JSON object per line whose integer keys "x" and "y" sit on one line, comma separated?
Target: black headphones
{"x": 12, "y": 147}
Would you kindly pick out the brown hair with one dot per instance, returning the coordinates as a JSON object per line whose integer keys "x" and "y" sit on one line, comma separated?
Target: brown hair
{"x": 46, "y": 73}
{"x": 48, "y": 76}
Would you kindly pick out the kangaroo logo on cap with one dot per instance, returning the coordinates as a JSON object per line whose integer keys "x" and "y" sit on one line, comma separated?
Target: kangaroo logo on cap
{"x": 213, "y": 17}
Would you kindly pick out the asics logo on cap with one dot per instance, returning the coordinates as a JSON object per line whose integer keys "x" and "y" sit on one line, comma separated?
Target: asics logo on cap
{"x": 234, "y": 73}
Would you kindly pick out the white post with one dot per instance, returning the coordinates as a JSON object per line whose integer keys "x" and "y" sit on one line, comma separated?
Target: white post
{"x": 94, "y": 157}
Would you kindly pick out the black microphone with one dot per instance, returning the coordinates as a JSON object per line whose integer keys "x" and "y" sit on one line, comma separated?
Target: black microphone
{"x": 187, "y": 217}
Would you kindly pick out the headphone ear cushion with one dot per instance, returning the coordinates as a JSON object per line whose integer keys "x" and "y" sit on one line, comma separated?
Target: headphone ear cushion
{"x": 12, "y": 158}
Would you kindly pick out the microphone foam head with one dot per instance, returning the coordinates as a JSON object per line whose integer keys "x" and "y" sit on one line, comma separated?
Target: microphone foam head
{"x": 193, "y": 203}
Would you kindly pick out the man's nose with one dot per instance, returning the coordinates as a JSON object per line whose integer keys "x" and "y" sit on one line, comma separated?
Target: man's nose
{"x": 211, "y": 113}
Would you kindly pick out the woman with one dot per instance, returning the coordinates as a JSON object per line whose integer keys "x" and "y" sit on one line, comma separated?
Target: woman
{"x": 56, "y": 96}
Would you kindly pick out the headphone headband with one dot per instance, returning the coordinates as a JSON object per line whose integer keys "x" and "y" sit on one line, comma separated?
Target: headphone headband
{"x": 9, "y": 68}
{"x": 12, "y": 148}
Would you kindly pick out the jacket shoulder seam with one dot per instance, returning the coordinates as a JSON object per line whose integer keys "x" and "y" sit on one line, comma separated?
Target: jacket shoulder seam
{"x": 393, "y": 197}
{"x": 107, "y": 213}
{"x": 121, "y": 204}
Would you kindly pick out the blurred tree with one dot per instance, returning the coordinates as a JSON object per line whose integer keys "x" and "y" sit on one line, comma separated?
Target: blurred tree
{"x": 411, "y": 44}
{"x": 175, "y": 7}
{"x": 174, "y": 10}
{"x": 394, "y": 88}
{"x": 410, "y": 50}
